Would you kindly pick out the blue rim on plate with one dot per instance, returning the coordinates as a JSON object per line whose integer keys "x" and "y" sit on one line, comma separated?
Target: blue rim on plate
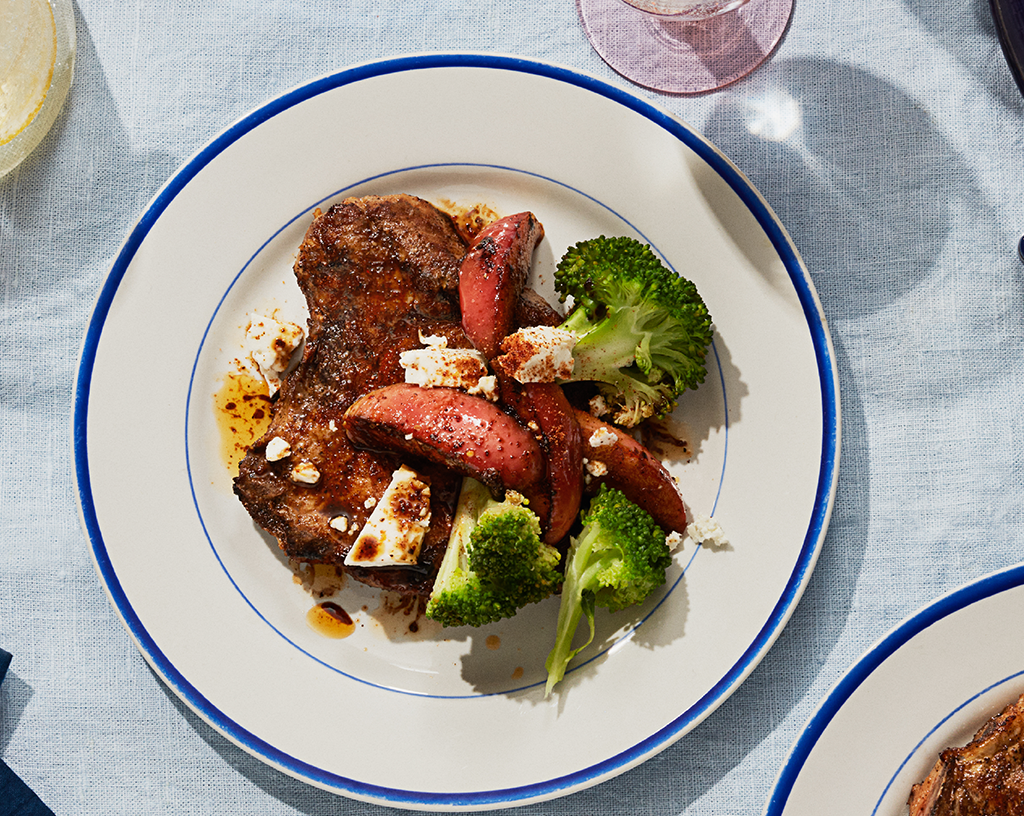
{"x": 949, "y": 604}
{"x": 663, "y": 738}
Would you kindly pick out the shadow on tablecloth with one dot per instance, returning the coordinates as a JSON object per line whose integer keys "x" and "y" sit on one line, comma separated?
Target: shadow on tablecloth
{"x": 969, "y": 35}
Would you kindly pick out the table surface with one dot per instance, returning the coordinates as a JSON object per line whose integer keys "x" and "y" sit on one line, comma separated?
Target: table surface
{"x": 900, "y": 180}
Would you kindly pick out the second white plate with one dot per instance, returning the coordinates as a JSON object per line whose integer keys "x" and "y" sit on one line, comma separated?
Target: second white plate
{"x": 929, "y": 684}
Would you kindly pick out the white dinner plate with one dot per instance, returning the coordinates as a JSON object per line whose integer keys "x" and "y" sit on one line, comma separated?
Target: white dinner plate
{"x": 448, "y": 720}
{"x": 929, "y": 684}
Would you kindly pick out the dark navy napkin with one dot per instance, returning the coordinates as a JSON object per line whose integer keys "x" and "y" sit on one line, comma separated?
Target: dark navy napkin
{"x": 16, "y": 799}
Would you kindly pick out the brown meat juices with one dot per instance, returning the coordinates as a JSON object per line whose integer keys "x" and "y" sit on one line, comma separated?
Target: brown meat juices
{"x": 376, "y": 272}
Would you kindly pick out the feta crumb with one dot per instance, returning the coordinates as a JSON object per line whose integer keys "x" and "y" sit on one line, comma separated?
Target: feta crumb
{"x": 706, "y": 531}
{"x": 439, "y": 366}
{"x": 435, "y": 340}
{"x": 306, "y": 473}
{"x": 370, "y": 502}
{"x": 340, "y": 523}
{"x": 395, "y": 529}
{"x": 598, "y": 406}
{"x": 278, "y": 449}
{"x": 596, "y": 469}
{"x": 602, "y": 438}
{"x": 539, "y": 354}
{"x": 332, "y": 426}
{"x": 270, "y": 344}
{"x": 673, "y": 540}
{"x": 486, "y": 387}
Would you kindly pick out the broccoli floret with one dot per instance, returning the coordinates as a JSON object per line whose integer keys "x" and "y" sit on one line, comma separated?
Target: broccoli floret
{"x": 495, "y": 562}
{"x": 642, "y": 330}
{"x": 619, "y": 558}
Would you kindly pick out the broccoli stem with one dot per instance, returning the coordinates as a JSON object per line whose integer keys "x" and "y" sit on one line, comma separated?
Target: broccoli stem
{"x": 576, "y": 600}
{"x": 602, "y": 347}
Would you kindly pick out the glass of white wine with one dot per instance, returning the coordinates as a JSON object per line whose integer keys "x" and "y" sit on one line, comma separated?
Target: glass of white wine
{"x": 684, "y": 46}
{"x": 37, "y": 58}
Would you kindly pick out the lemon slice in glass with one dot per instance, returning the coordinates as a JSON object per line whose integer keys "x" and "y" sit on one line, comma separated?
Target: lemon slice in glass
{"x": 37, "y": 46}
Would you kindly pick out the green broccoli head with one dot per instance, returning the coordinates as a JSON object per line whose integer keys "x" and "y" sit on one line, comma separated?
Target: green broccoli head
{"x": 643, "y": 331}
{"x": 505, "y": 547}
{"x": 495, "y": 563}
{"x": 618, "y": 559}
{"x": 464, "y": 600}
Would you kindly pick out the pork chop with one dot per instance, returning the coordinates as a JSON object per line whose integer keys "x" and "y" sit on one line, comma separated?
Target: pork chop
{"x": 983, "y": 778}
{"x": 376, "y": 272}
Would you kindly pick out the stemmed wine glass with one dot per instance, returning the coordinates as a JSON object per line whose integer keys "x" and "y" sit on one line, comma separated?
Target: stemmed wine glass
{"x": 684, "y": 46}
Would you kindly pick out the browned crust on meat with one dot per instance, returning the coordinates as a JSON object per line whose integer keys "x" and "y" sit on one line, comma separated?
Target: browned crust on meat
{"x": 375, "y": 271}
{"x": 984, "y": 778}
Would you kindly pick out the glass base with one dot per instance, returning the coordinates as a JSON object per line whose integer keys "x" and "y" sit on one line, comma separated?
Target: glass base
{"x": 684, "y": 57}
{"x": 13, "y": 152}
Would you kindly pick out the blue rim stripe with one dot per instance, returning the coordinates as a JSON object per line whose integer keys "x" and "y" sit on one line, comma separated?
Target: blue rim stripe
{"x": 809, "y": 550}
{"x": 899, "y": 636}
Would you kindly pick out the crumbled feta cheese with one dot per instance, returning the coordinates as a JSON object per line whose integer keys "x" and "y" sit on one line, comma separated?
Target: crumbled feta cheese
{"x": 539, "y": 354}
{"x": 436, "y": 340}
{"x": 596, "y": 469}
{"x": 673, "y": 540}
{"x": 270, "y": 345}
{"x": 602, "y": 438}
{"x": 598, "y": 406}
{"x": 440, "y": 366}
{"x": 370, "y": 502}
{"x": 278, "y": 449}
{"x": 306, "y": 473}
{"x": 340, "y": 523}
{"x": 332, "y": 426}
{"x": 394, "y": 532}
{"x": 706, "y": 531}
{"x": 486, "y": 387}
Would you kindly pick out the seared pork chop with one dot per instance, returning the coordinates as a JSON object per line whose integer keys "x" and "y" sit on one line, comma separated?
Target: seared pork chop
{"x": 984, "y": 778}
{"x": 376, "y": 272}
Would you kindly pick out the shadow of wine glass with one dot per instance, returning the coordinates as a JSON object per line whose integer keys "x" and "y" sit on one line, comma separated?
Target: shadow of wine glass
{"x": 969, "y": 35}
{"x": 856, "y": 171}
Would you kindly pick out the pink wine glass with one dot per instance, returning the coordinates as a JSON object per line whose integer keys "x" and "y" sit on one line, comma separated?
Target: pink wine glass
{"x": 684, "y": 46}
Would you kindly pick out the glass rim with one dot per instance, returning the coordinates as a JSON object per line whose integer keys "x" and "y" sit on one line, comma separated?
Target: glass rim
{"x": 684, "y": 10}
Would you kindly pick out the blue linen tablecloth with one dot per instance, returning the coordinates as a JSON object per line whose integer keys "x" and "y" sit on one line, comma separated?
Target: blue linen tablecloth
{"x": 899, "y": 173}
{"x": 16, "y": 798}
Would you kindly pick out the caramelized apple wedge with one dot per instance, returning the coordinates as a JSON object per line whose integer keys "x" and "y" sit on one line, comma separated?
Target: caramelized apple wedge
{"x": 545, "y": 409}
{"x": 466, "y": 433}
{"x": 492, "y": 276}
{"x": 618, "y": 459}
